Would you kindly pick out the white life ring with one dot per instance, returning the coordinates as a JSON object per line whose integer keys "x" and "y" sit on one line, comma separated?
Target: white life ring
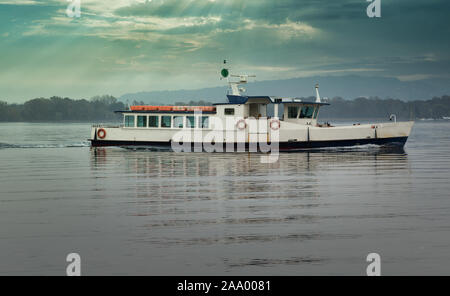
{"x": 241, "y": 125}
{"x": 275, "y": 124}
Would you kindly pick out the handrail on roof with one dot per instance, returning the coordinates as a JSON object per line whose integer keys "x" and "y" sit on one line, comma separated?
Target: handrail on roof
{"x": 173, "y": 108}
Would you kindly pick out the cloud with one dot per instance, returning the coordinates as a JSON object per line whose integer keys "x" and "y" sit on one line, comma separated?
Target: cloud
{"x": 414, "y": 77}
{"x": 19, "y": 2}
{"x": 125, "y": 41}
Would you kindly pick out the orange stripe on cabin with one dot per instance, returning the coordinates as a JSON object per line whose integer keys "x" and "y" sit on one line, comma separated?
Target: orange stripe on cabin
{"x": 144, "y": 108}
{"x": 174, "y": 108}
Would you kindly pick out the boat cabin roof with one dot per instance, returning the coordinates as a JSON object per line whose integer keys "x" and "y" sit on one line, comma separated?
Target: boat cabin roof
{"x": 232, "y": 100}
{"x": 162, "y": 112}
{"x": 240, "y": 100}
{"x": 170, "y": 109}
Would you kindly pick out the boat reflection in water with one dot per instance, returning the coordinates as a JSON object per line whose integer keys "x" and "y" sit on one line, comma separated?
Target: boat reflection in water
{"x": 297, "y": 179}
{"x": 229, "y": 212}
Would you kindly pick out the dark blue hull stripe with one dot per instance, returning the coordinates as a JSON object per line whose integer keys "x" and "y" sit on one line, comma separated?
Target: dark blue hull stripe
{"x": 284, "y": 146}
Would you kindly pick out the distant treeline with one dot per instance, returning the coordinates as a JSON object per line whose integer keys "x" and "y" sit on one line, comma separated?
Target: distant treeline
{"x": 101, "y": 108}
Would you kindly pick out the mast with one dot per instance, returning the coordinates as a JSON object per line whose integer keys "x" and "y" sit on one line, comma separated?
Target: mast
{"x": 234, "y": 85}
{"x": 317, "y": 94}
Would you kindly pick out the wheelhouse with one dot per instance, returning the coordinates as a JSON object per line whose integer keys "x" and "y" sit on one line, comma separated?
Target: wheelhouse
{"x": 292, "y": 110}
{"x": 301, "y": 112}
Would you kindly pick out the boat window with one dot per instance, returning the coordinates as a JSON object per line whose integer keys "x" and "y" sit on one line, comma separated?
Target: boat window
{"x": 129, "y": 120}
{"x": 190, "y": 121}
{"x": 166, "y": 121}
{"x": 153, "y": 121}
{"x": 178, "y": 121}
{"x": 229, "y": 111}
{"x": 205, "y": 121}
{"x": 142, "y": 121}
{"x": 307, "y": 112}
{"x": 292, "y": 112}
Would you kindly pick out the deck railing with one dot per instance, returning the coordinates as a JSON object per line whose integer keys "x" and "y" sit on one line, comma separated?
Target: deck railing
{"x": 99, "y": 125}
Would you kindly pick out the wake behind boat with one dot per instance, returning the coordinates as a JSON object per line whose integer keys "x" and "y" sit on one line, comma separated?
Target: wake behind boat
{"x": 243, "y": 122}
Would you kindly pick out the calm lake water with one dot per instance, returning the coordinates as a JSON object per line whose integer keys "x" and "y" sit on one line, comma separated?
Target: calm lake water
{"x": 162, "y": 213}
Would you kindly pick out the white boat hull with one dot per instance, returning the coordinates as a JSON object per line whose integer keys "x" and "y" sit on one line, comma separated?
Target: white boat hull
{"x": 290, "y": 136}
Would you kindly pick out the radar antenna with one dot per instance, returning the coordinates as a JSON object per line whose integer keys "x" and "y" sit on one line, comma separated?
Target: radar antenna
{"x": 234, "y": 85}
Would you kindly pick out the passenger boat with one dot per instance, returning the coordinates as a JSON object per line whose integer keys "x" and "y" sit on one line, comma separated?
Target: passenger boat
{"x": 250, "y": 123}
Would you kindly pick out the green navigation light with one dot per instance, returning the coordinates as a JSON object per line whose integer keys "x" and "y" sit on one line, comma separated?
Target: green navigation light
{"x": 225, "y": 73}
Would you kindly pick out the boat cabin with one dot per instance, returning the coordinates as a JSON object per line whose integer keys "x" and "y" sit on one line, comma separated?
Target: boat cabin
{"x": 165, "y": 117}
{"x": 293, "y": 110}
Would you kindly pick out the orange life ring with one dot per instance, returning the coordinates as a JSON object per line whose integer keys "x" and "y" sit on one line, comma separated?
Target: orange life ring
{"x": 277, "y": 127}
{"x": 239, "y": 124}
{"x": 101, "y": 133}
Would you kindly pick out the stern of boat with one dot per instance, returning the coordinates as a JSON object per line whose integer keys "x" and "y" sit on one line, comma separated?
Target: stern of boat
{"x": 102, "y": 134}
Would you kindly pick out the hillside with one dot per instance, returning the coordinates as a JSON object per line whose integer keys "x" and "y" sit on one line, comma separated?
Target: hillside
{"x": 349, "y": 87}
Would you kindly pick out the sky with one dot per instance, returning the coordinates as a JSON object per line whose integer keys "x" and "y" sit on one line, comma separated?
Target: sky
{"x": 122, "y": 46}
